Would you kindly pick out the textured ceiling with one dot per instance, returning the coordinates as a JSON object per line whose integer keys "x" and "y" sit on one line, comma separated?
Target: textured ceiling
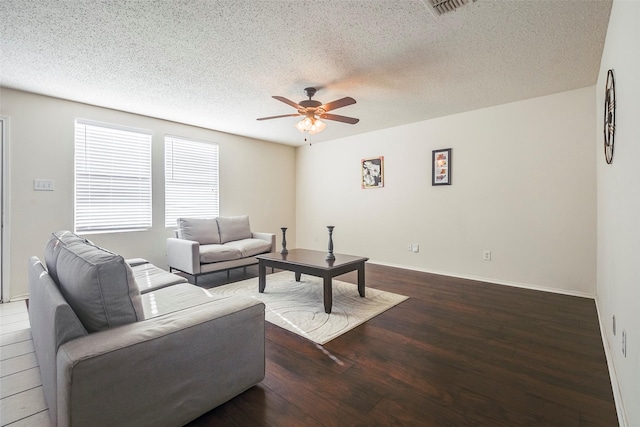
{"x": 216, "y": 64}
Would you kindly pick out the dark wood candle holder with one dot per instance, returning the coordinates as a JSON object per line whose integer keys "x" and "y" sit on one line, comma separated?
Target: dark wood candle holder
{"x": 284, "y": 250}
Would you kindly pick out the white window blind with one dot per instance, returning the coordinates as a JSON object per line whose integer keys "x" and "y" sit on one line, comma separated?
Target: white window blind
{"x": 191, "y": 179}
{"x": 112, "y": 178}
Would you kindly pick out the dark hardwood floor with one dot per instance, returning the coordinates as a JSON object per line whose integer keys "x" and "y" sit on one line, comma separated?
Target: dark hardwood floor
{"x": 456, "y": 353}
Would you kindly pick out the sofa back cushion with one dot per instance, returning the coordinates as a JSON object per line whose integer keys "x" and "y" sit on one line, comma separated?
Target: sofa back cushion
{"x": 99, "y": 285}
{"x": 234, "y": 228}
{"x": 201, "y": 230}
{"x": 52, "y": 249}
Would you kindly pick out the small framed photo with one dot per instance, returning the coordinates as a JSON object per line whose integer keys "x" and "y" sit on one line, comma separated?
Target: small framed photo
{"x": 441, "y": 164}
{"x": 372, "y": 172}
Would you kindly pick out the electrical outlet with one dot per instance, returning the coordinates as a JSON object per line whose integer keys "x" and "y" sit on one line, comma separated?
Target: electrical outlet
{"x": 624, "y": 343}
{"x": 409, "y": 247}
{"x": 486, "y": 255}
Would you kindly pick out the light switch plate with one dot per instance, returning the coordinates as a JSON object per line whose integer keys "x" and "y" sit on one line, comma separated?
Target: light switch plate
{"x": 43, "y": 184}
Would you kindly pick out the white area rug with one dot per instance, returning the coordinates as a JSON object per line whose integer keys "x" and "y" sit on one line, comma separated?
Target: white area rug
{"x": 299, "y": 307}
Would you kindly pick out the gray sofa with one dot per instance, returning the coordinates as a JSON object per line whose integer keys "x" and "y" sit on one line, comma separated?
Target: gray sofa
{"x": 207, "y": 245}
{"x": 110, "y": 355}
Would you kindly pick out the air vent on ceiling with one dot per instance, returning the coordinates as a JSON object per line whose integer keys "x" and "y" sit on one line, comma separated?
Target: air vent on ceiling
{"x": 440, "y": 7}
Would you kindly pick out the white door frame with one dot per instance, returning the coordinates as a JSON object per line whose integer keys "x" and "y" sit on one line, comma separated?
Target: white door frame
{"x": 5, "y": 293}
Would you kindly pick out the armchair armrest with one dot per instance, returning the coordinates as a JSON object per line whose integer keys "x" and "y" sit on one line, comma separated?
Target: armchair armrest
{"x": 183, "y": 255}
{"x": 162, "y": 371}
{"x": 269, "y": 237}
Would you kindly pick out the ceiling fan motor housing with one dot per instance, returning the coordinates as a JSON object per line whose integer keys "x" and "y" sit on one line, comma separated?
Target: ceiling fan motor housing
{"x": 310, "y": 91}
{"x": 310, "y": 103}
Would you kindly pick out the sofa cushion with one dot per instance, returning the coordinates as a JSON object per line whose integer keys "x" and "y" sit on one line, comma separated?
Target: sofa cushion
{"x": 53, "y": 246}
{"x": 250, "y": 247}
{"x": 98, "y": 285}
{"x": 149, "y": 277}
{"x": 160, "y": 302}
{"x": 134, "y": 262}
{"x": 217, "y": 253}
{"x": 233, "y": 228}
{"x": 201, "y": 230}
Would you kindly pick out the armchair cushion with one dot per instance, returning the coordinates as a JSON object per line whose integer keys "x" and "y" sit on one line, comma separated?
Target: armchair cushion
{"x": 250, "y": 247}
{"x": 234, "y": 228}
{"x": 201, "y": 230}
{"x": 99, "y": 285}
{"x": 217, "y": 253}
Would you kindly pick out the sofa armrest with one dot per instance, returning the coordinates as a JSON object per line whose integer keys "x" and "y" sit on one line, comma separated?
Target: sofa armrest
{"x": 183, "y": 255}
{"x": 269, "y": 237}
{"x": 162, "y": 371}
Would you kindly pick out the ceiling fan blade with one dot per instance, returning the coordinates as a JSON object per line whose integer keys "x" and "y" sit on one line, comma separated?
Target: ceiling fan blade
{"x": 338, "y": 103}
{"x": 277, "y": 117}
{"x": 288, "y": 101}
{"x": 337, "y": 118}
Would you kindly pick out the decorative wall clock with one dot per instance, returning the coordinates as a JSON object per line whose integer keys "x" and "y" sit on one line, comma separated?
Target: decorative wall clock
{"x": 609, "y": 116}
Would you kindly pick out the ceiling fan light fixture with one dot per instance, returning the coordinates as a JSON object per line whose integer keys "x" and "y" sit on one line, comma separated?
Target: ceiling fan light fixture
{"x": 311, "y": 125}
{"x": 303, "y": 125}
{"x": 317, "y": 127}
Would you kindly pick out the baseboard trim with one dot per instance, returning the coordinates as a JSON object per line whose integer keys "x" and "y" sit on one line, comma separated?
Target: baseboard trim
{"x": 623, "y": 421}
{"x": 490, "y": 280}
{"x": 17, "y": 298}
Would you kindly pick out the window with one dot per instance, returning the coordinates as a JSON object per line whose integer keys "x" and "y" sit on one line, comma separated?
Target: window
{"x": 113, "y": 178}
{"x": 191, "y": 179}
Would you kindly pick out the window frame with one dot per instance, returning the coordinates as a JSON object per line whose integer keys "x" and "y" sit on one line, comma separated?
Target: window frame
{"x": 119, "y": 159}
{"x": 189, "y": 164}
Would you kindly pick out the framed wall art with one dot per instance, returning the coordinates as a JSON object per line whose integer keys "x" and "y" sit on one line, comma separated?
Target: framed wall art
{"x": 372, "y": 172}
{"x": 441, "y": 167}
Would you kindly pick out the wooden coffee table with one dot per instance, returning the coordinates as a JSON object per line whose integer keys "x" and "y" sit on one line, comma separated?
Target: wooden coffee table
{"x": 313, "y": 263}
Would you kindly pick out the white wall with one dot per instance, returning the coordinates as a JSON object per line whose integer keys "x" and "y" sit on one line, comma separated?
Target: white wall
{"x": 523, "y": 186}
{"x": 256, "y": 178}
{"x": 618, "y": 277}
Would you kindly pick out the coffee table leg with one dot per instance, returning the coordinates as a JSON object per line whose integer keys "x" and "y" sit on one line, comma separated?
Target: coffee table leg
{"x": 328, "y": 295}
{"x": 361, "y": 279}
{"x": 262, "y": 279}
{"x": 298, "y": 275}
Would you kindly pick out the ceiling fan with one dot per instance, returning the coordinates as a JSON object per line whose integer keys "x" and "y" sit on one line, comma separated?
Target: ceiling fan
{"x": 313, "y": 111}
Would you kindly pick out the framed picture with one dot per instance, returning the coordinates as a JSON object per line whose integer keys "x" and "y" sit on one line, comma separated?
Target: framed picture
{"x": 441, "y": 164}
{"x": 372, "y": 172}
